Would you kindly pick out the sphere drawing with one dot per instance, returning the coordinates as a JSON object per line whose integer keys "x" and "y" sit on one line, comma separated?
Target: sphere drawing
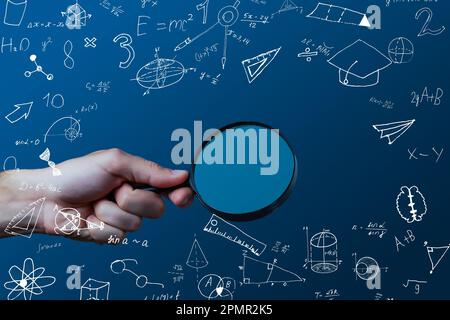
{"x": 160, "y": 73}
{"x": 367, "y": 268}
{"x": 324, "y": 252}
{"x": 67, "y": 221}
{"x": 401, "y": 50}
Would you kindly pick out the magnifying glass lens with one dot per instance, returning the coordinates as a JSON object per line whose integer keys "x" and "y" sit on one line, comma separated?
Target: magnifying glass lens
{"x": 244, "y": 172}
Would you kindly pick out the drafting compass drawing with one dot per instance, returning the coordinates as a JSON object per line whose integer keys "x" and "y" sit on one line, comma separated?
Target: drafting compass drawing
{"x": 226, "y": 17}
{"x": 38, "y": 69}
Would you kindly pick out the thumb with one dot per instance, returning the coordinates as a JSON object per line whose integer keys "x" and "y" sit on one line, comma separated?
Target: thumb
{"x": 139, "y": 170}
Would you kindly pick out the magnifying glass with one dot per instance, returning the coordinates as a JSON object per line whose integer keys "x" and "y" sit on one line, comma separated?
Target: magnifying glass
{"x": 242, "y": 172}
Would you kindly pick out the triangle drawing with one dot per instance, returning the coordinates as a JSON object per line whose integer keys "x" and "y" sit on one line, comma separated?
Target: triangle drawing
{"x": 24, "y": 222}
{"x": 436, "y": 254}
{"x": 196, "y": 259}
{"x": 253, "y": 67}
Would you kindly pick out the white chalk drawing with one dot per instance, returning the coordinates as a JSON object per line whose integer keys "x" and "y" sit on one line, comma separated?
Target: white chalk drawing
{"x": 67, "y": 127}
{"x": 204, "y": 8}
{"x": 46, "y": 43}
{"x": 337, "y": 14}
{"x": 401, "y": 50}
{"x": 52, "y": 100}
{"x": 417, "y": 284}
{"x": 125, "y": 42}
{"x": 95, "y": 290}
{"x": 68, "y": 221}
{"x": 21, "y": 111}
{"x": 286, "y": 6}
{"x": 322, "y": 252}
{"x": 14, "y": 12}
{"x": 27, "y": 281}
{"x": 10, "y": 163}
{"x": 226, "y": 18}
{"x": 367, "y": 268}
{"x": 196, "y": 258}
{"x": 120, "y": 266}
{"x": 160, "y": 73}
{"x": 214, "y": 287}
{"x": 256, "y": 272}
{"x": 38, "y": 69}
{"x": 224, "y": 229}
{"x": 45, "y": 156}
{"x": 436, "y": 254}
{"x": 308, "y": 54}
{"x": 76, "y": 16}
{"x": 90, "y": 42}
{"x": 410, "y": 204}
{"x": 24, "y": 222}
{"x": 393, "y": 130}
{"x": 253, "y": 67}
{"x": 69, "y": 63}
{"x": 359, "y": 64}
{"x": 426, "y": 30}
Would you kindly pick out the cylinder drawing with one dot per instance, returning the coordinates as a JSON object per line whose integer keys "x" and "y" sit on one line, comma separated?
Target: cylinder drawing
{"x": 324, "y": 257}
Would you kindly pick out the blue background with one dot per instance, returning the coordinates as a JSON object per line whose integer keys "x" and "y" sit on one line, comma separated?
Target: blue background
{"x": 348, "y": 176}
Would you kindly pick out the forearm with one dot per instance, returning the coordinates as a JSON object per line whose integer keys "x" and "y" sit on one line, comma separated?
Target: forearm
{"x": 15, "y": 196}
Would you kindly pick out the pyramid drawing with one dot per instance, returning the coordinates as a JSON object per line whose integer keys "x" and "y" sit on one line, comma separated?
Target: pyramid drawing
{"x": 288, "y": 5}
{"x": 253, "y": 67}
{"x": 24, "y": 222}
{"x": 259, "y": 272}
{"x": 393, "y": 131}
{"x": 196, "y": 259}
{"x": 436, "y": 254}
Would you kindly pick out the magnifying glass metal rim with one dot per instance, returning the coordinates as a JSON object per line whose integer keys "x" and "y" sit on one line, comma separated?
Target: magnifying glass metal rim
{"x": 253, "y": 215}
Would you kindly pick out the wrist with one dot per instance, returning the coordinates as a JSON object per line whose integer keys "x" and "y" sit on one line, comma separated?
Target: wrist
{"x": 19, "y": 194}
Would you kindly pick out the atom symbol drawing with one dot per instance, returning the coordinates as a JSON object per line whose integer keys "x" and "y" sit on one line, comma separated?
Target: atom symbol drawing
{"x": 27, "y": 281}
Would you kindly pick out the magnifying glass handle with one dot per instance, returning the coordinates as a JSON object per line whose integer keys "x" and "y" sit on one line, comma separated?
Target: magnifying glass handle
{"x": 147, "y": 187}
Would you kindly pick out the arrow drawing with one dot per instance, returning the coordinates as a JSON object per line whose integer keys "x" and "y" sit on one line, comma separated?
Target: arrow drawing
{"x": 22, "y": 110}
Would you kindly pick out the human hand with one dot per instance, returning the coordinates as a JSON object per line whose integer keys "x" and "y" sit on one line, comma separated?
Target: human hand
{"x": 85, "y": 185}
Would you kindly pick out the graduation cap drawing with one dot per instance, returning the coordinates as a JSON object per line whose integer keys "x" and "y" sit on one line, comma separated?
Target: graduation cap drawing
{"x": 359, "y": 64}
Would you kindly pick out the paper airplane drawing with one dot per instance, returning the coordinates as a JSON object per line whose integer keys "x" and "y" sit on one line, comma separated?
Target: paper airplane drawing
{"x": 255, "y": 66}
{"x": 394, "y": 130}
{"x": 337, "y": 14}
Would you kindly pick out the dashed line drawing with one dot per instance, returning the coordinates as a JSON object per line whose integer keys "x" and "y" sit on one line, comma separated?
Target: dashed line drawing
{"x": 426, "y": 30}
{"x": 38, "y": 69}
{"x": 436, "y": 254}
{"x": 125, "y": 41}
{"x": 393, "y": 130}
{"x": 196, "y": 258}
{"x": 337, "y": 14}
{"x": 45, "y": 156}
{"x": 224, "y": 229}
{"x": 95, "y": 290}
{"x": 10, "y": 163}
{"x": 120, "y": 266}
{"x": 27, "y": 281}
{"x": 253, "y": 67}
{"x": 401, "y": 50}
{"x": 214, "y": 287}
{"x": 21, "y": 111}
{"x": 70, "y": 132}
{"x": 322, "y": 252}
{"x": 76, "y": 16}
{"x": 90, "y": 42}
{"x": 160, "y": 73}
{"x": 256, "y": 272}
{"x": 226, "y": 18}
{"x": 14, "y": 12}
{"x": 24, "y": 222}
{"x": 410, "y": 204}
{"x": 359, "y": 64}
{"x": 68, "y": 221}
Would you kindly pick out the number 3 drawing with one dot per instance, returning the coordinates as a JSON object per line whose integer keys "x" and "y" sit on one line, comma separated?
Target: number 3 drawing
{"x": 125, "y": 41}
{"x": 425, "y": 28}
